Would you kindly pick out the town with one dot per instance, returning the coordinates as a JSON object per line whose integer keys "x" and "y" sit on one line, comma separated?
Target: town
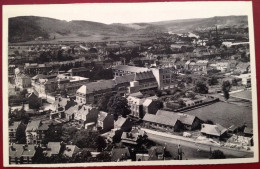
{"x": 174, "y": 96}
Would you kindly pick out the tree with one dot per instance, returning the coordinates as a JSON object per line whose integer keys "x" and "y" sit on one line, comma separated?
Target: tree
{"x": 104, "y": 157}
{"x": 209, "y": 122}
{"x": 24, "y": 92}
{"x": 200, "y": 87}
{"x": 20, "y": 134}
{"x": 217, "y": 154}
{"x": 118, "y": 105}
{"x": 158, "y": 93}
{"x": 212, "y": 81}
{"x": 181, "y": 103}
{"x": 86, "y": 139}
{"x": 191, "y": 95}
{"x": 234, "y": 82}
{"x": 38, "y": 157}
{"x": 103, "y": 101}
{"x": 83, "y": 156}
{"x": 53, "y": 134}
{"x": 188, "y": 80}
{"x": 101, "y": 143}
{"x": 226, "y": 86}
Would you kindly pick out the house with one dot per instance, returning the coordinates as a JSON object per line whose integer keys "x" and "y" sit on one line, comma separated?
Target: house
{"x": 12, "y": 130}
{"x": 121, "y": 70}
{"x": 200, "y": 65}
{"x": 165, "y": 77}
{"x": 124, "y": 124}
{"x": 222, "y": 66}
{"x": 80, "y": 71}
{"x": 157, "y": 153}
{"x": 21, "y": 153}
{"x": 70, "y": 150}
{"x": 243, "y": 67}
{"x": 105, "y": 121}
{"x": 151, "y": 105}
{"x": 91, "y": 92}
{"x": 120, "y": 154}
{"x": 61, "y": 105}
{"x": 35, "y": 131}
{"x": 53, "y": 149}
{"x": 70, "y": 113}
{"x": 22, "y": 81}
{"x": 245, "y": 79}
{"x": 215, "y": 131}
{"x": 130, "y": 83}
{"x": 189, "y": 122}
{"x": 143, "y": 156}
{"x": 44, "y": 84}
{"x": 163, "y": 123}
{"x": 143, "y": 82}
{"x": 139, "y": 105}
{"x": 86, "y": 114}
{"x": 70, "y": 84}
{"x": 134, "y": 137}
{"x": 34, "y": 68}
{"x": 248, "y": 132}
{"x": 136, "y": 106}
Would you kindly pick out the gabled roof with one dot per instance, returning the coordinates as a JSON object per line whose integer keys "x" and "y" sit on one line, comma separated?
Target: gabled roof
{"x": 33, "y": 125}
{"x": 15, "y": 125}
{"x": 53, "y": 148}
{"x": 248, "y": 130}
{"x": 44, "y": 127}
{"x": 132, "y": 69}
{"x": 119, "y": 123}
{"x": 136, "y": 100}
{"x": 96, "y": 86}
{"x": 144, "y": 75}
{"x": 72, "y": 110}
{"x": 70, "y": 150}
{"x": 85, "y": 109}
{"x": 102, "y": 115}
{"x": 124, "y": 79}
{"x": 216, "y": 130}
{"x": 183, "y": 118}
{"x": 147, "y": 102}
{"x": 19, "y": 150}
{"x": 170, "y": 121}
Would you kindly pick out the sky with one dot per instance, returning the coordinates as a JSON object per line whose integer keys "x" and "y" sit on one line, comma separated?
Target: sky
{"x": 130, "y": 12}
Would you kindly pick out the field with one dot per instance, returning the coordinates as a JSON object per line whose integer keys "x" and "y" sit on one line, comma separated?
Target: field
{"x": 225, "y": 114}
{"x": 90, "y": 38}
{"x": 247, "y": 95}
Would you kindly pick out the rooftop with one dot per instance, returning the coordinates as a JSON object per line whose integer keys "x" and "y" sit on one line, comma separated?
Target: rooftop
{"x": 33, "y": 125}
{"x": 96, "y": 86}
{"x": 170, "y": 121}
{"x": 183, "y": 118}
{"x": 132, "y": 69}
{"x": 53, "y": 148}
{"x": 216, "y": 130}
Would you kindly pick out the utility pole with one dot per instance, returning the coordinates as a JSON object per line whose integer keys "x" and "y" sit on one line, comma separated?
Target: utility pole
{"x": 179, "y": 152}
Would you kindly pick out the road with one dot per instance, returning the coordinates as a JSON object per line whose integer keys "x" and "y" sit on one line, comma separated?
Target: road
{"x": 195, "y": 150}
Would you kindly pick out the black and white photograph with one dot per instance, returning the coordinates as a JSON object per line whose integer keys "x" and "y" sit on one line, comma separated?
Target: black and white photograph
{"x": 100, "y": 84}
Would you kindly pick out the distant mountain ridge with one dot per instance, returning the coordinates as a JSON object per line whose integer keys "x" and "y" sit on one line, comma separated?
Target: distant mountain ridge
{"x": 28, "y": 28}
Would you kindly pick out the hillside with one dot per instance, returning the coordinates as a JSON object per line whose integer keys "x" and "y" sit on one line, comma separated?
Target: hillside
{"x": 203, "y": 23}
{"x": 28, "y": 28}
